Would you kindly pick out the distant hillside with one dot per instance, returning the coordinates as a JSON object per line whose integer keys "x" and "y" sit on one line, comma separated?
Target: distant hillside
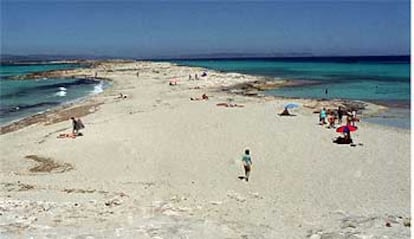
{"x": 8, "y": 58}
{"x": 244, "y": 55}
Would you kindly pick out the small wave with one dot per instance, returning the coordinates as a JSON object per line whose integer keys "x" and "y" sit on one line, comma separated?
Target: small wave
{"x": 61, "y": 93}
{"x": 49, "y": 87}
{"x": 98, "y": 88}
{"x": 62, "y": 88}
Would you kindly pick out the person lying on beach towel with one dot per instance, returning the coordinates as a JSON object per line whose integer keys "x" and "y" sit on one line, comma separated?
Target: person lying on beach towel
{"x": 121, "y": 96}
{"x": 66, "y": 135}
{"x": 173, "y": 82}
{"x": 203, "y": 97}
{"x": 229, "y": 105}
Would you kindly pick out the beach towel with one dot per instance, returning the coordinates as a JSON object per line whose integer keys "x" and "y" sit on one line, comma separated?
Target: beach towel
{"x": 65, "y": 136}
{"x": 229, "y": 105}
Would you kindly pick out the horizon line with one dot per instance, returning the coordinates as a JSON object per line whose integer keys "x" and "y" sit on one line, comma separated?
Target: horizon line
{"x": 193, "y": 56}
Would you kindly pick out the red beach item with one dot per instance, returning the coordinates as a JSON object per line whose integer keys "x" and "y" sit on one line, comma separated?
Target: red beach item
{"x": 351, "y": 128}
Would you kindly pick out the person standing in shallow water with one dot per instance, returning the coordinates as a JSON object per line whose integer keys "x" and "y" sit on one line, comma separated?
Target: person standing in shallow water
{"x": 247, "y": 163}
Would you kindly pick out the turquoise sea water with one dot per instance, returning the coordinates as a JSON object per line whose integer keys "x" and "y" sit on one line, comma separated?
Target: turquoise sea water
{"x": 21, "y": 98}
{"x": 384, "y": 79}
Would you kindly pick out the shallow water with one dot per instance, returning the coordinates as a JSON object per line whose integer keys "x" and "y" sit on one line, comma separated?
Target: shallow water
{"x": 22, "y": 98}
{"x": 383, "y": 79}
{"x": 395, "y": 117}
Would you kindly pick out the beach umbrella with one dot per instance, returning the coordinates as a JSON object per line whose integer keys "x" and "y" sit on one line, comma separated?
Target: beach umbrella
{"x": 291, "y": 105}
{"x": 342, "y": 128}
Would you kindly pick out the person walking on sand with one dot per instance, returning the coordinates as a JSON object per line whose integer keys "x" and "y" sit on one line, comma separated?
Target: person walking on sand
{"x": 354, "y": 116}
{"x": 247, "y": 163}
{"x": 322, "y": 116}
{"x": 340, "y": 114}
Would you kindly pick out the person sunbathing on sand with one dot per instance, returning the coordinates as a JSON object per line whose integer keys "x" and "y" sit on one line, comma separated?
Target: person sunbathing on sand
{"x": 229, "y": 105}
{"x": 121, "y": 96}
{"x": 65, "y": 135}
{"x": 203, "y": 97}
{"x": 346, "y": 139}
{"x": 285, "y": 112}
{"x": 172, "y": 82}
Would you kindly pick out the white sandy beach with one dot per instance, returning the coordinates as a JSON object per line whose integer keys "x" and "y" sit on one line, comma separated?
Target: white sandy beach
{"x": 158, "y": 165}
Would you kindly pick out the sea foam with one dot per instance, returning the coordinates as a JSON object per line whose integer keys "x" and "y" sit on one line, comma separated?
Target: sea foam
{"x": 61, "y": 93}
{"x": 98, "y": 88}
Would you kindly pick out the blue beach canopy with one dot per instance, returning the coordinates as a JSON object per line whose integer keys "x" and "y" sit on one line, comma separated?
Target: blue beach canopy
{"x": 291, "y": 105}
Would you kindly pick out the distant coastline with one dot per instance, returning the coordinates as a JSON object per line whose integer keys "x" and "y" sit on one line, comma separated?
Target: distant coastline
{"x": 28, "y": 63}
{"x": 404, "y": 58}
{"x": 33, "y": 59}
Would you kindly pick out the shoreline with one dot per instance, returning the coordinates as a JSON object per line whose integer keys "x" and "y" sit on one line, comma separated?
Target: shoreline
{"x": 42, "y": 115}
{"x": 255, "y": 87}
{"x": 159, "y": 164}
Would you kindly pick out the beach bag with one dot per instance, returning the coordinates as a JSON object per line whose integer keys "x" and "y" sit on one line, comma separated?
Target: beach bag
{"x": 80, "y": 124}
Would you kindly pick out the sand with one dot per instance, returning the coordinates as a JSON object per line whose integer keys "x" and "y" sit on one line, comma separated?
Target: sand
{"x": 158, "y": 165}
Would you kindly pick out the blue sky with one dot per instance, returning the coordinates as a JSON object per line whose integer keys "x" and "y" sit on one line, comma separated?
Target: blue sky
{"x": 171, "y": 29}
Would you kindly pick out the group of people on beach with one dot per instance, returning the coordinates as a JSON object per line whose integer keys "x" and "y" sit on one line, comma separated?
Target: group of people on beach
{"x": 203, "y": 97}
{"x": 330, "y": 117}
{"x": 190, "y": 77}
{"x": 173, "y": 82}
